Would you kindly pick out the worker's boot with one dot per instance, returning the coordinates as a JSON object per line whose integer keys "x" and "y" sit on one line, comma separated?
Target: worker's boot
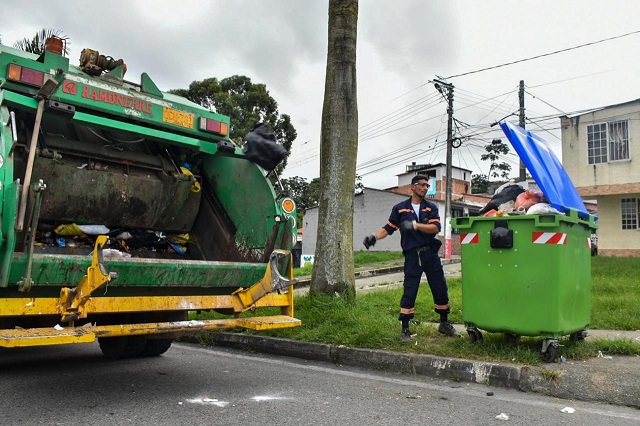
{"x": 406, "y": 335}
{"x": 447, "y": 329}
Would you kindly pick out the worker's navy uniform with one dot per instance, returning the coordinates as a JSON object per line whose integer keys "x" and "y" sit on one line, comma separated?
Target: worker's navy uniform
{"x": 420, "y": 255}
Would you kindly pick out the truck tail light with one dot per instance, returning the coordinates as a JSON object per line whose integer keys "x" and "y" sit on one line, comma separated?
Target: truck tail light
{"x": 25, "y": 75}
{"x": 214, "y": 126}
{"x": 288, "y": 205}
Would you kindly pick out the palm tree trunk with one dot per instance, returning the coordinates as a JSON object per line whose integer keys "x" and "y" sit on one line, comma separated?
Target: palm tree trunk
{"x": 333, "y": 271}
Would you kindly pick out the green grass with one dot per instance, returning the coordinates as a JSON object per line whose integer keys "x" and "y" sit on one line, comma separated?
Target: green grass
{"x": 372, "y": 321}
{"x": 615, "y": 293}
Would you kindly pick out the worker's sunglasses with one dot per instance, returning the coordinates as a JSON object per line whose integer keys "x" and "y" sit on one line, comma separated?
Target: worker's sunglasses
{"x": 424, "y": 185}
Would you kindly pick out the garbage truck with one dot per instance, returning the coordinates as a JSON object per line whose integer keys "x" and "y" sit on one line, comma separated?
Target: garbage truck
{"x": 124, "y": 208}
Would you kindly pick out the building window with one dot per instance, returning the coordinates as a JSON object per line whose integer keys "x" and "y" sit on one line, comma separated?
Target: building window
{"x": 456, "y": 213}
{"x": 629, "y": 213}
{"x": 608, "y": 141}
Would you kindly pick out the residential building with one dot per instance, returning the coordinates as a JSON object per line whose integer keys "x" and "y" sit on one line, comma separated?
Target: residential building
{"x": 598, "y": 150}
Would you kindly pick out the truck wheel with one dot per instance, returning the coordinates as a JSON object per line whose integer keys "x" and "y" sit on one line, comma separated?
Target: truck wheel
{"x": 155, "y": 347}
{"x": 122, "y": 346}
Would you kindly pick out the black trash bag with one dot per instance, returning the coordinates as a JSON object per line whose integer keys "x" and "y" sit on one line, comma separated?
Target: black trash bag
{"x": 261, "y": 147}
{"x": 509, "y": 193}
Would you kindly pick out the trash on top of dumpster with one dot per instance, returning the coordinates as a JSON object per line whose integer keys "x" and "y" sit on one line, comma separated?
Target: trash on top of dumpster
{"x": 546, "y": 169}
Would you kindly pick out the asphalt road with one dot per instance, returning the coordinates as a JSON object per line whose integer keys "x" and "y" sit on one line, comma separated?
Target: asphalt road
{"x": 194, "y": 385}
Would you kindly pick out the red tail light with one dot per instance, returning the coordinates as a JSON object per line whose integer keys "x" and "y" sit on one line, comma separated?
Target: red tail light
{"x": 25, "y": 75}
{"x": 214, "y": 126}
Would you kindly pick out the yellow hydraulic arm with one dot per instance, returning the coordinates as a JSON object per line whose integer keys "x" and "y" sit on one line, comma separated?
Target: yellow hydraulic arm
{"x": 245, "y": 298}
{"x": 72, "y": 301}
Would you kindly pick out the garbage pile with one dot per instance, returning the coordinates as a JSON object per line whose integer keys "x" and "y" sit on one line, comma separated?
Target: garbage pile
{"x": 132, "y": 241}
{"x": 515, "y": 200}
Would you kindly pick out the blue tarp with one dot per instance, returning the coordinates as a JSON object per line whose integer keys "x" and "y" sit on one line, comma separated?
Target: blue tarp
{"x": 546, "y": 169}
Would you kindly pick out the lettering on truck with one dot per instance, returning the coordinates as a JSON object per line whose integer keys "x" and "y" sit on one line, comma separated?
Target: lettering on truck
{"x": 108, "y": 97}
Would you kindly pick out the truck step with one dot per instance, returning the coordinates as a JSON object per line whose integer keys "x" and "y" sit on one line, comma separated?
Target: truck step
{"x": 13, "y": 338}
{"x": 44, "y": 336}
{"x": 268, "y": 322}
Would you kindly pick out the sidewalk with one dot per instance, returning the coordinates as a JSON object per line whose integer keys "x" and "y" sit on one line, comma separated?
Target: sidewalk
{"x": 609, "y": 379}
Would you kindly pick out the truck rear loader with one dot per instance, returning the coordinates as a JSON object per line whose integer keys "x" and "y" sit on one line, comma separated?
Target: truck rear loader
{"x": 124, "y": 208}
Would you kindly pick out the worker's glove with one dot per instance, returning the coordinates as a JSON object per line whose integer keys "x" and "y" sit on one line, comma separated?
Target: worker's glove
{"x": 407, "y": 225}
{"x": 369, "y": 241}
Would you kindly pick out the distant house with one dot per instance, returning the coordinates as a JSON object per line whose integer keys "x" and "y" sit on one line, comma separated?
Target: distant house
{"x": 598, "y": 150}
{"x": 372, "y": 207}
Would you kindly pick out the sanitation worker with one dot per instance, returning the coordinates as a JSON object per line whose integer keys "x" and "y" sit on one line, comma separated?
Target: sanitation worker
{"x": 419, "y": 223}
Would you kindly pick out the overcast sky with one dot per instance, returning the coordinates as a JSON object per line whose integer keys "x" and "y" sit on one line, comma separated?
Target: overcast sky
{"x": 402, "y": 45}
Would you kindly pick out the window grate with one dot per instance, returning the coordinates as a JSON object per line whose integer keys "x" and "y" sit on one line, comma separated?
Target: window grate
{"x": 629, "y": 213}
{"x": 608, "y": 141}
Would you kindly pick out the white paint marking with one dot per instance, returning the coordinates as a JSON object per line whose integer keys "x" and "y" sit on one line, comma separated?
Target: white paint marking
{"x": 267, "y": 398}
{"x": 208, "y": 401}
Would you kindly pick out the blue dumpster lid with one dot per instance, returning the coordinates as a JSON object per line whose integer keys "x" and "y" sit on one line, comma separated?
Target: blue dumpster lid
{"x": 546, "y": 169}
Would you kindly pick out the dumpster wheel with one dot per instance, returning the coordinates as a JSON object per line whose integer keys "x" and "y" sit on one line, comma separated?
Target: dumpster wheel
{"x": 549, "y": 350}
{"x": 475, "y": 335}
{"x": 511, "y": 338}
{"x": 578, "y": 336}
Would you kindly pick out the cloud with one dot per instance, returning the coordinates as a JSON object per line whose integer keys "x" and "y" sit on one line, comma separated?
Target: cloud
{"x": 412, "y": 39}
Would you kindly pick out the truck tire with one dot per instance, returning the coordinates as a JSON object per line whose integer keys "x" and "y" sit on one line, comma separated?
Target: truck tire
{"x": 122, "y": 346}
{"x": 156, "y": 347}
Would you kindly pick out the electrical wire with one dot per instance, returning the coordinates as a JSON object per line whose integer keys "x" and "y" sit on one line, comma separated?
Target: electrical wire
{"x": 543, "y": 55}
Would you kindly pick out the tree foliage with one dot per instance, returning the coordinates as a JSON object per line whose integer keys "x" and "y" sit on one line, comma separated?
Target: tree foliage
{"x": 333, "y": 270}
{"x": 35, "y": 44}
{"x": 495, "y": 150}
{"x": 479, "y": 184}
{"x": 246, "y": 103}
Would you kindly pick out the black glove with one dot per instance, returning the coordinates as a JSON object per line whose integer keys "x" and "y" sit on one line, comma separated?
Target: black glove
{"x": 369, "y": 241}
{"x": 406, "y": 225}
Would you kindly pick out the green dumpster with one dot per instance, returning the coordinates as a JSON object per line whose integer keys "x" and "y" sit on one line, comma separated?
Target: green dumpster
{"x": 527, "y": 275}
{"x": 530, "y": 274}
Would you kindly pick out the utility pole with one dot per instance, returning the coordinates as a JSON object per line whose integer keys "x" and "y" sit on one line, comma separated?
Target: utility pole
{"x": 447, "y": 201}
{"x": 523, "y": 170}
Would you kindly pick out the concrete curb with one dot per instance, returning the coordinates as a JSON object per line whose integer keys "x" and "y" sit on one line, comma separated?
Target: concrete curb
{"x": 569, "y": 382}
{"x": 427, "y": 365}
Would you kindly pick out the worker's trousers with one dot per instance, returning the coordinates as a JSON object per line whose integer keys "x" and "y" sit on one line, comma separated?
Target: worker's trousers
{"x": 418, "y": 261}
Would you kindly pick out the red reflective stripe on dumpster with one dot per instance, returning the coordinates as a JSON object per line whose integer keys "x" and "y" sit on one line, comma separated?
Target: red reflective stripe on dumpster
{"x": 549, "y": 238}
{"x": 469, "y": 238}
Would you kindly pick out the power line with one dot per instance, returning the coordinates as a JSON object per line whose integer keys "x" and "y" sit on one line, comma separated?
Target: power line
{"x": 569, "y": 79}
{"x": 545, "y": 102}
{"x": 545, "y": 54}
{"x": 374, "y": 131}
{"x": 396, "y": 112}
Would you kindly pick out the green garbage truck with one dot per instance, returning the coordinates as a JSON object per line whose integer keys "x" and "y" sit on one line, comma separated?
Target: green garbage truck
{"x": 124, "y": 208}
